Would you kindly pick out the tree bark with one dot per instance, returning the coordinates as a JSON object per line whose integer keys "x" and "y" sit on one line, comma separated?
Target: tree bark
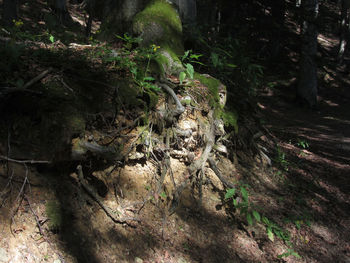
{"x": 118, "y": 15}
{"x": 307, "y": 86}
{"x": 59, "y": 7}
{"x": 278, "y": 10}
{"x": 10, "y": 12}
{"x": 344, "y": 30}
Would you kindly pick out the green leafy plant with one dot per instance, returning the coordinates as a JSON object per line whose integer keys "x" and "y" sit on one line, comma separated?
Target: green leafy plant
{"x": 272, "y": 230}
{"x": 290, "y": 252}
{"x": 129, "y": 41}
{"x": 51, "y": 38}
{"x": 244, "y": 206}
{"x": 135, "y": 62}
{"x": 281, "y": 159}
{"x": 302, "y": 144}
{"x": 247, "y": 208}
{"x": 190, "y": 57}
{"x": 187, "y": 59}
{"x": 230, "y": 61}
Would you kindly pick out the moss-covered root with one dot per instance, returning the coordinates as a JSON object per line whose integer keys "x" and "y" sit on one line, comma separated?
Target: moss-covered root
{"x": 160, "y": 24}
{"x": 217, "y": 95}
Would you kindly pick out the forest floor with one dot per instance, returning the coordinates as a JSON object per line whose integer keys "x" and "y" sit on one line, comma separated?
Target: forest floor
{"x": 305, "y": 194}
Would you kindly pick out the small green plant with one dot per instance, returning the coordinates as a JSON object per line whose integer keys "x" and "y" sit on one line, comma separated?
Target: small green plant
{"x": 51, "y": 38}
{"x": 163, "y": 195}
{"x": 187, "y": 59}
{"x": 302, "y": 144}
{"x": 299, "y": 221}
{"x": 131, "y": 59}
{"x": 290, "y": 252}
{"x": 281, "y": 159}
{"x": 230, "y": 61}
{"x": 273, "y": 229}
{"x": 129, "y": 41}
{"x": 245, "y": 207}
{"x": 186, "y": 246}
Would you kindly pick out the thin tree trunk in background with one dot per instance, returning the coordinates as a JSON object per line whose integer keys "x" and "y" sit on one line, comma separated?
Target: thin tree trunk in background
{"x": 10, "y": 12}
{"x": 344, "y": 30}
{"x": 59, "y": 7}
{"x": 278, "y": 9}
{"x": 90, "y": 10}
{"x": 307, "y": 86}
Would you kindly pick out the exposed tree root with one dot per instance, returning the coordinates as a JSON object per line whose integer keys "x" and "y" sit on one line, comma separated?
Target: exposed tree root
{"x": 196, "y": 166}
{"x": 179, "y": 107}
{"x": 219, "y": 175}
{"x": 115, "y": 216}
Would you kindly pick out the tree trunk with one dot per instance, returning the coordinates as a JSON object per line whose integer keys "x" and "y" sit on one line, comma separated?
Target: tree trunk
{"x": 307, "y": 86}
{"x": 59, "y": 7}
{"x": 344, "y": 30}
{"x": 187, "y": 10}
{"x": 10, "y": 12}
{"x": 278, "y": 9}
{"x": 118, "y": 15}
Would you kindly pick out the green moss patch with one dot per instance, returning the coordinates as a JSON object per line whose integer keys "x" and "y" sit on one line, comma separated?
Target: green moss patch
{"x": 213, "y": 87}
{"x": 230, "y": 119}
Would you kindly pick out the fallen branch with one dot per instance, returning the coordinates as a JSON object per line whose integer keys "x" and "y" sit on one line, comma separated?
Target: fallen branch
{"x": 22, "y": 161}
{"x": 21, "y": 193}
{"x": 37, "y": 78}
{"x": 36, "y": 219}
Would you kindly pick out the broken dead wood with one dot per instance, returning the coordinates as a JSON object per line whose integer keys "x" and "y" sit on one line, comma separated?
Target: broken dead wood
{"x": 37, "y": 78}
{"x": 26, "y": 197}
{"x": 19, "y": 198}
{"x": 92, "y": 193}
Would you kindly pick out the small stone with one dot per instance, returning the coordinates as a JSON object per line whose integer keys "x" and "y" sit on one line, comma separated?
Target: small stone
{"x": 138, "y": 260}
{"x": 57, "y": 261}
{"x": 3, "y": 255}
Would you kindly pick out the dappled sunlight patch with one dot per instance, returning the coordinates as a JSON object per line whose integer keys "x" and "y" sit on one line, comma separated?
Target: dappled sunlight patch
{"x": 246, "y": 247}
{"x": 329, "y": 235}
